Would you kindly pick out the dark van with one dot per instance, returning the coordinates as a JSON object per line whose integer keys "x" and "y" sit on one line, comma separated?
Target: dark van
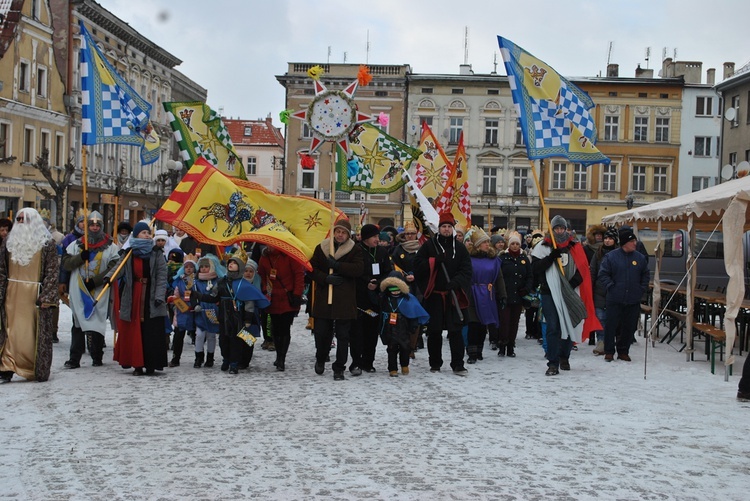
{"x": 710, "y": 264}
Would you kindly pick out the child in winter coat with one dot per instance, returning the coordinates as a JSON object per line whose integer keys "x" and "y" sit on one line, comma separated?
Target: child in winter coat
{"x": 401, "y": 315}
{"x": 183, "y": 322}
{"x": 210, "y": 271}
{"x": 233, "y": 293}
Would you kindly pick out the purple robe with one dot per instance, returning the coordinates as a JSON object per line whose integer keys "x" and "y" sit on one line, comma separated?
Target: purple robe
{"x": 484, "y": 276}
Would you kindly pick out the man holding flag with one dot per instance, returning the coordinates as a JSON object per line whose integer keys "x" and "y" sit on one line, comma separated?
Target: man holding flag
{"x": 88, "y": 266}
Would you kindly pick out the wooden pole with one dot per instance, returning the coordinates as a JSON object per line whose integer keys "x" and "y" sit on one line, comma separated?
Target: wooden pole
{"x": 544, "y": 212}
{"x": 84, "y": 182}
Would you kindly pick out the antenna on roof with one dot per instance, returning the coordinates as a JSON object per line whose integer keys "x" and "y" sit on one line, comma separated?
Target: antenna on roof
{"x": 466, "y": 45}
{"x": 494, "y": 62}
{"x": 674, "y": 54}
{"x": 344, "y": 57}
{"x": 648, "y": 56}
{"x": 367, "y": 56}
{"x": 328, "y": 61}
{"x": 663, "y": 53}
{"x": 609, "y": 52}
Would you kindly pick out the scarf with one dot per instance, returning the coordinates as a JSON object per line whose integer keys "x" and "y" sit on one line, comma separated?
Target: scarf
{"x": 142, "y": 247}
{"x": 514, "y": 253}
{"x": 234, "y": 275}
{"x": 209, "y": 275}
{"x": 410, "y": 246}
{"x": 121, "y": 239}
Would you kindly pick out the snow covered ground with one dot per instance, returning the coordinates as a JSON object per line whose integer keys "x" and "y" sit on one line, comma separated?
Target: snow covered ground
{"x": 506, "y": 431}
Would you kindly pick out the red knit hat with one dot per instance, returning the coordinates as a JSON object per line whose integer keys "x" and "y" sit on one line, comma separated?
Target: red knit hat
{"x": 447, "y": 218}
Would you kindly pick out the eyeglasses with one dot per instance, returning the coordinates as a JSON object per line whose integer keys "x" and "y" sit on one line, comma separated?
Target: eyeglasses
{"x": 19, "y": 219}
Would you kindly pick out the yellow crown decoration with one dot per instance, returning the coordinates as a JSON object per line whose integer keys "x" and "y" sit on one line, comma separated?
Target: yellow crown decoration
{"x": 44, "y": 213}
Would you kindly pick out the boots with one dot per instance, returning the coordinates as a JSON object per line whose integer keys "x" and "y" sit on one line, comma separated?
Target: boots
{"x": 209, "y": 360}
{"x": 198, "y": 360}
{"x": 175, "y": 362}
{"x": 511, "y": 351}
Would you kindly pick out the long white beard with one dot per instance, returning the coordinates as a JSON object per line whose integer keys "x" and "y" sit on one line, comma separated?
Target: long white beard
{"x": 27, "y": 238}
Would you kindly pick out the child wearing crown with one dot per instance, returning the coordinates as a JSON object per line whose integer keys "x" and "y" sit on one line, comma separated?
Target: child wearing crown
{"x": 184, "y": 316}
{"x": 210, "y": 271}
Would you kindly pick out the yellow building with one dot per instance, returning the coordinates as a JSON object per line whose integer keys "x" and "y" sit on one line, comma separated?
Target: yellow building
{"x": 32, "y": 114}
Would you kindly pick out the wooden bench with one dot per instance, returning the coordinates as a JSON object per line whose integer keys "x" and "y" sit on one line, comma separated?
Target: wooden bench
{"x": 715, "y": 341}
{"x": 677, "y": 322}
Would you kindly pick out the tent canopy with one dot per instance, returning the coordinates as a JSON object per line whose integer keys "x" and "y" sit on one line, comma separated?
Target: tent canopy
{"x": 726, "y": 202}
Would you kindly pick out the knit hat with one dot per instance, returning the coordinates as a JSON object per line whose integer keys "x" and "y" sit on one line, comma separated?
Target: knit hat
{"x": 176, "y": 255}
{"x": 368, "y": 231}
{"x": 139, "y": 227}
{"x": 626, "y": 235}
{"x": 252, "y": 264}
{"x": 514, "y": 237}
{"x": 161, "y": 235}
{"x": 611, "y": 233}
{"x": 478, "y": 236}
{"x": 343, "y": 224}
{"x": 559, "y": 221}
{"x": 447, "y": 218}
{"x": 494, "y": 239}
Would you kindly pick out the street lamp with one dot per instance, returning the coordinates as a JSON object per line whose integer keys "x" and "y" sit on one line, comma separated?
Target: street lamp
{"x": 629, "y": 200}
{"x": 510, "y": 209}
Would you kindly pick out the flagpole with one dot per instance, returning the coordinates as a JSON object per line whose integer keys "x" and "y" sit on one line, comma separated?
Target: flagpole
{"x": 333, "y": 216}
{"x": 84, "y": 182}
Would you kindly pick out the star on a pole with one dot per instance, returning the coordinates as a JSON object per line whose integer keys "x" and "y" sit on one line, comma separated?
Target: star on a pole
{"x": 332, "y": 115}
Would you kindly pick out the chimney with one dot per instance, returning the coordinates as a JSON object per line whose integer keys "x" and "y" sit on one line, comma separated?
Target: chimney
{"x": 728, "y": 70}
{"x": 269, "y": 120}
{"x": 613, "y": 70}
{"x": 465, "y": 69}
{"x": 711, "y": 76}
{"x": 641, "y": 73}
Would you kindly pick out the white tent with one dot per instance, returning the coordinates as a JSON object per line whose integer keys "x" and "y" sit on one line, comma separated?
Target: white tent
{"x": 725, "y": 203}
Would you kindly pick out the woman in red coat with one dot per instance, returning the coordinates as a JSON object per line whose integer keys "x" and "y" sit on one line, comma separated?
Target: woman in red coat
{"x": 282, "y": 279}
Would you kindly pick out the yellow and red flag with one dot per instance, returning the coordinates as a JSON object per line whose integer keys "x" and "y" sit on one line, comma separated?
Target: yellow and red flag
{"x": 433, "y": 168}
{"x": 455, "y": 197}
{"x": 220, "y": 210}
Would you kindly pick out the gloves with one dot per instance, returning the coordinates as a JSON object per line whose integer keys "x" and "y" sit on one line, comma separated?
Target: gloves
{"x": 333, "y": 264}
{"x": 90, "y": 285}
{"x": 334, "y": 280}
{"x": 85, "y": 254}
{"x": 556, "y": 253}
{"x": 502, "y": 303}
{"x": 295, "y": 301}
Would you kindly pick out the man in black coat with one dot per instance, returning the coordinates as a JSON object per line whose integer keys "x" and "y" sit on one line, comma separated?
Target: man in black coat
{"x": 445, "y": 297}
{"x": 377, "y": 266}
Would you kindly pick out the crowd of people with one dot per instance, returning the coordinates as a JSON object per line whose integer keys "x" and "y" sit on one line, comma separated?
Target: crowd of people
{"x": 375, "y": 285}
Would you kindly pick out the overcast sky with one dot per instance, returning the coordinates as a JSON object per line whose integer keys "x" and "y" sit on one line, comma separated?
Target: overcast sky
{"x": 235, "y": 48}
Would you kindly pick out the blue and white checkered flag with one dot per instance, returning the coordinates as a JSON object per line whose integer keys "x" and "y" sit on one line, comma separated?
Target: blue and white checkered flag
{"x": 112, "y": 111}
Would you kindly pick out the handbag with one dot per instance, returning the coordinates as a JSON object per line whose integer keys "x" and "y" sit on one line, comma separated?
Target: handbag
{"x": 249, "y": 334}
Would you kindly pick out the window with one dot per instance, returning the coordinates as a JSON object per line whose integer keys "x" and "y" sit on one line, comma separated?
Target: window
{"x": 308, "y": 179}
{"x": 425, "y": 120}
{"x": 426, "y": 90}
{"x": 609, "y": 177}
{"x": 248, "y": 130}
{"x": 251, "y": 166}
{"x": 700, "y": 182}
{"x": 580, "y": 177}
{"x": 28, "y": 145}
{"x": 381, "y": 93}
{"x": 612, "y": 94}
{"x": 44, "y": 142}
{"x": 35, "y": 9}
{"x": 611, "y": 127}
{"x": 457, "y": 125}
{"x": 519, "y": 134}
{"x": 306, "y": 131}
{"x": 662, "y": 130}
{"x": 493, "y": 92}
{"x": 41, "y": 81}
{"x": 4, "y": 140}
{"x": 641, "y": 129}
{"x": 520, "y": 178}
{"x": 733, "y": 159}
{"x": 59, "y": 150}
{"x": 639, "y": 178}
{"x": 23, "y": 76}
{"x": 660, "y": 179}
{"x": 457, "y": 91}
{"x": 491, "y": 128}
{"x": 736, "y": 106}
{"x": 642, "y": 94}
{"x": 559, "y": 176}
{"x": 704, "y": 106}
{"x": 489, "y": 181}
{"x": 702, "y": 146}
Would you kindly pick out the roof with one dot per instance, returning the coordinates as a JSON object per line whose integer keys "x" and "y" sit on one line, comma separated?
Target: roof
{"x": 263, "y": 133}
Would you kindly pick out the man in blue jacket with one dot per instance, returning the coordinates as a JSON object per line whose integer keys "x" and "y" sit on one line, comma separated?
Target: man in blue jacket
{"x": 624, "y": 275}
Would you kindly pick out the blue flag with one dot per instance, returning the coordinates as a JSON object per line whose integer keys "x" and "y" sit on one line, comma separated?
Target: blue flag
{"x": 553, "y": 112}
{"x": 112, "y": 111}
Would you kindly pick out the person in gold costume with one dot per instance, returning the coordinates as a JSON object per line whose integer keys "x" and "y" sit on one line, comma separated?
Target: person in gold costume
{"x": 29, "y": 269}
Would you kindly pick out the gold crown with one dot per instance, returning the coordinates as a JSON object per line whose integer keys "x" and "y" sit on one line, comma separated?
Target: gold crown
{"x": 190, "y": 257}
{"x": 44, "y": 213}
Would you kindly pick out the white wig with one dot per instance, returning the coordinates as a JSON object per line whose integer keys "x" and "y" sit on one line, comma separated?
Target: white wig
{"x": 27, "y": 237}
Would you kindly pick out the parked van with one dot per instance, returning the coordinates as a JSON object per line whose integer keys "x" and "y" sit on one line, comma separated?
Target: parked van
{"x": 710, "y": 264}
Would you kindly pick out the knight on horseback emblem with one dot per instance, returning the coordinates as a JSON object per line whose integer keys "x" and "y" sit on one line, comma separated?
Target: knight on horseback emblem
{"x": 236, "y": 212}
